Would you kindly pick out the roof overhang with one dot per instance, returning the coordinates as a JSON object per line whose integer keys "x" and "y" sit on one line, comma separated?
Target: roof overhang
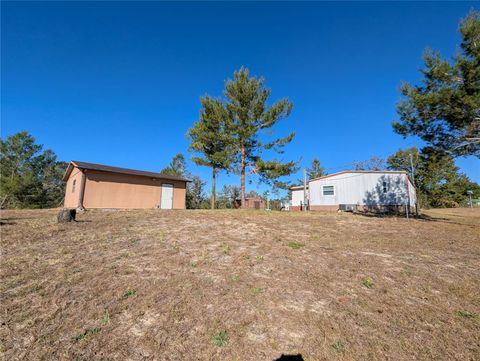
{"x": 297, "y": 188}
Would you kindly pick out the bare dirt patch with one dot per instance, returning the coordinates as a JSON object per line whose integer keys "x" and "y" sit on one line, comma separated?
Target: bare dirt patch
{"x": 229, "y": 285}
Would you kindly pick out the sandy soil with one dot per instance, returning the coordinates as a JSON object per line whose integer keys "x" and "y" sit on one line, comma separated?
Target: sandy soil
{"x": 239, "y": 285}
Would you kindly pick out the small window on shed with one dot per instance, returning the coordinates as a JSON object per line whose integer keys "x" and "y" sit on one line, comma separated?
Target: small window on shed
{"x": 384, "y": 187}
{"x": 73, "y": 185}
{"x": 328, "y": 190}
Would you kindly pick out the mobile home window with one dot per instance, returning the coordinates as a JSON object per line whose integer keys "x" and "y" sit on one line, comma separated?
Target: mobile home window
{"x": 328, "y": 191}
{"x": 73, "y": 185}
{"x": 384, "y": 187}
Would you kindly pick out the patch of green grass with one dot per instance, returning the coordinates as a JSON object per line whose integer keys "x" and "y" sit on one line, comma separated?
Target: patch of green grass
{"x": 194, "y": 264}
{"x": 129, "y": 293}
{"x": 259, "y": 259}
{"x": 220, "y": 339}
{"x": 85, "y": 334}
{"x": 106, "y": 318}
{"x": 234, "y": 278}
{"x": 296, "y": 245}
{"x": 225, "y": 248}
{"x": 467, "y": 314}
{"x": 368, "y": 282}
{"x": 339, "y": 346}
{"x": 175, "y": 246}
{"x": 258, "y": 290}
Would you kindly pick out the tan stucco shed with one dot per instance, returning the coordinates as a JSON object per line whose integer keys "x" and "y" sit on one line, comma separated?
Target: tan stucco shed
{"x": 92, "y": 185}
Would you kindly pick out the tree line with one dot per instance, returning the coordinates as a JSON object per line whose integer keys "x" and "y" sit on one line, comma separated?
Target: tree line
{"x": 196, "y": 198}
{"x": 30, "y": 176}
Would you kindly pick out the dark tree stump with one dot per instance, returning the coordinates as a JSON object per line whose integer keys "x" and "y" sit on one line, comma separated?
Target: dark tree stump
{"x": 66, "y": 215}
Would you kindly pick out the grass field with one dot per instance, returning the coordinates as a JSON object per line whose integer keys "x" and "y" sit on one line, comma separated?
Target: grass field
{"x": 240, "y": 285}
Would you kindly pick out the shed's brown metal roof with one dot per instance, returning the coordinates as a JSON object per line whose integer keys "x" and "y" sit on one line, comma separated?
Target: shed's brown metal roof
{"x": 107, "y": 168}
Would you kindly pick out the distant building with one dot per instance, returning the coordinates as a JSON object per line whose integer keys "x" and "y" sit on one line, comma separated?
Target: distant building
{"x": 99, "y": 186}
{"x": 250, "y": 202}
{"x": 357, "y": 190}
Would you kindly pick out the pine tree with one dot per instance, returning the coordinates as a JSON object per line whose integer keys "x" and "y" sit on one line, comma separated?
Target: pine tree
{"x": 445, "y": 110}
{"x": 209, "y": 137}
{"x": 315, "y": 170}
{"x": 228, "y": 196}
{"x": 403, "y": 159}
{"x": 438, "y": 181}
{"x": 177, "y": 167}
{"x": 249, "y": 116}
{"x": 195, "y": 194}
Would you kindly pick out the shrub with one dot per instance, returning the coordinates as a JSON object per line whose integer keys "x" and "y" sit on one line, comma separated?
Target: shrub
{"x": 220, "y": 339}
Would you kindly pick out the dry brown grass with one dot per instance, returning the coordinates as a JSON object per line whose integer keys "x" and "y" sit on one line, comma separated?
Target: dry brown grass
{"x": 160, "y": 285}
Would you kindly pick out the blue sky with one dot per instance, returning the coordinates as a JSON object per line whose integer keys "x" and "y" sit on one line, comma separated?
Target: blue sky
{"x": 119, "y": 83}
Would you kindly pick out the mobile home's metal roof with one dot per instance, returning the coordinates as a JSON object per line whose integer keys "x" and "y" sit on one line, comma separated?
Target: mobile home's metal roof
{"x": 358, "y": 171}
{"x": 107, "y": 168}
{"x": 353, "y": 171}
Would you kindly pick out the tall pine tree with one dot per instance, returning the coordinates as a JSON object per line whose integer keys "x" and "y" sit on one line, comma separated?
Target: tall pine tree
{"x": 249, "y": 116}
{"x": 445, "y": 109}
{"x": 210, "y": 137}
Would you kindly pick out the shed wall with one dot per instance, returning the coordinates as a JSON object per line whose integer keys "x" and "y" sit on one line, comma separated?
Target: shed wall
{"x": 250, "y": 203}
{"x": 72, "y": 196}
{"x": 114, "y": 190}
{"x": 297, "y": 197}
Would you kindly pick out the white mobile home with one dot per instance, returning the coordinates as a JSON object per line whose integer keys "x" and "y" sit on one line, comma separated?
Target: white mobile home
{"x": 360, "y": 190}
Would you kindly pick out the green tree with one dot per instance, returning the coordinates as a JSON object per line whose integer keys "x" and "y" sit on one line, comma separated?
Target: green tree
{"x": 249, "y": 116}
{"x": 403, "y": 160}
{"x": 50, "y": 171}
{"x": 177, "y": 167}
{"x": 442, "y": 185}
{"x": 30, "y": 177}
{"x": 210, "y": 137}
{"x": 438, "y": 181}
{"x": 315, "y": 170}
{"x": 195, "y": 193}
{"x": 445, "y": 109}
{"x": 227, "y": 196}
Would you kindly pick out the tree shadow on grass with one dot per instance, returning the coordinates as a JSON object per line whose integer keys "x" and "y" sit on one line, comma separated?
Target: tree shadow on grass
{"x": 421, "y": 216}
